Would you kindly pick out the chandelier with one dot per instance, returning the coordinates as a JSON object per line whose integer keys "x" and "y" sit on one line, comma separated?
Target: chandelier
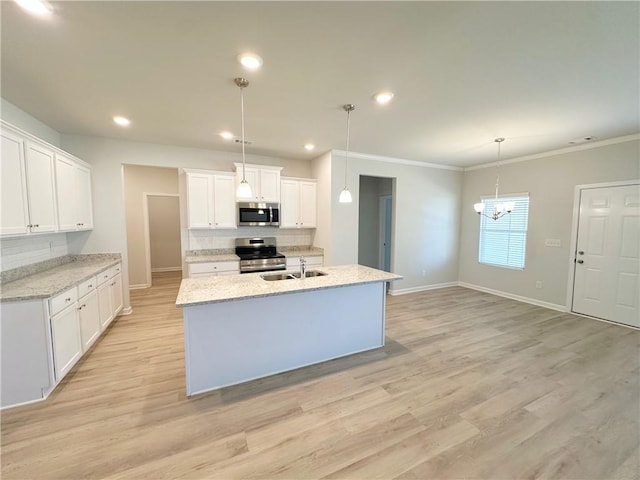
{"x": 499, "y": 209}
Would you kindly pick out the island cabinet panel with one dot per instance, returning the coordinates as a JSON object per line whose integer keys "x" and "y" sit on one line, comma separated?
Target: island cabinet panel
{"x": 227, "y": 343}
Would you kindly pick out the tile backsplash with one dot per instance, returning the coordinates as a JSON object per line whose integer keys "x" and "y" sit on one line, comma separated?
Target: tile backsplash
{"x": 23, "y": 251}
{"x": 215, "y": 239}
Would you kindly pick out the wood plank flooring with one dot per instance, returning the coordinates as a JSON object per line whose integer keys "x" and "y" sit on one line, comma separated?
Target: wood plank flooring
{"x": 469, "y": 385}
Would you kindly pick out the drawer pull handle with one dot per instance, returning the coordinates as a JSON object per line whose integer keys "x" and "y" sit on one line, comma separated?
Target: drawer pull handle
{"x": 89, "y": 286}
{"x": 67, "y": 299}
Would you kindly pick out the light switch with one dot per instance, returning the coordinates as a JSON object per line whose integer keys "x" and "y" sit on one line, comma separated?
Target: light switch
{"x": 552, "y": 242}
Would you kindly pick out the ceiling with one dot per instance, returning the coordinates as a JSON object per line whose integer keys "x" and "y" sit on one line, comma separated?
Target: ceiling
{"x": 538, "y": 73}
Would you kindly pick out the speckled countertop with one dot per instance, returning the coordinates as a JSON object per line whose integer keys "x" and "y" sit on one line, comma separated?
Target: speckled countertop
{"x": 227, "y": 255}
{"x": 50, "y": 282}
{"x": 199, "y": 291}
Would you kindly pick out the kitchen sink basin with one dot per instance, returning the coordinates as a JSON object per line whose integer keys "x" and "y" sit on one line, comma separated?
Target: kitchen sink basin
{"x": 310, "y": 273}
{"x": 270, "y": 277}
{"x": 278, "y": 276}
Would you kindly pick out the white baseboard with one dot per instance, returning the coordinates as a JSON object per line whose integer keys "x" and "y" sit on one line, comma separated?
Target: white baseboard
{"x": 139, "y": 286}
{"x": 166, "y": 269}
{"x": 532, "y": 301}
{"x": 422, "y": 288}
{"x": 126, "y": 311}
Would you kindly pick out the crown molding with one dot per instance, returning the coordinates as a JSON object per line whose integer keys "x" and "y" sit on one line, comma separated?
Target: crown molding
{"x": 400, "y": 161}
{"x": 574, "y": 148}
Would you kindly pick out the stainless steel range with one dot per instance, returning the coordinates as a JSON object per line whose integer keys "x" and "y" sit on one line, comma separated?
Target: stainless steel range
{"x": 259, "y": 255}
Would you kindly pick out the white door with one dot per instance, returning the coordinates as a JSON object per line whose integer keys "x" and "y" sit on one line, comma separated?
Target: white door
{"x": 89, "y": 319}
{"x": 66, "y": 192}
{"x": 269, "y": 185}
{"x": 289, "y": 207}
{"x": 116, "y": 294}
{"x": 200, "y": 200}
{"x": 224, "y": 201}
{"x": 308, "y": 204}
{"x": 14, "y": 216}
{"x": 67, "y": 348}
{"x": 39, "y": 161}
{"x": 608, "y": 254}
{"x": 105, "y": 307}
{"x": 84, "y": 206}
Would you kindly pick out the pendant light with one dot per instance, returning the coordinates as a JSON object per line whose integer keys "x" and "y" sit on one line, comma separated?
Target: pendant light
{"x": 499, "y": 209}
{"x": 345, "y": 194}
{"x": 244, "y": 189}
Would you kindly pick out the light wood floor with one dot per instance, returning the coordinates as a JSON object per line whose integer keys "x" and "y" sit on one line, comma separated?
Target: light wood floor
{"x": 469, "y": 385}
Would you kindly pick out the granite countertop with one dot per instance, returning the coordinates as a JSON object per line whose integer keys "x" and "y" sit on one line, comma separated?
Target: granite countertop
{"x": 48, "y": 283}
{"x": 200, "y": 291}
{"x": 223, "y": 257}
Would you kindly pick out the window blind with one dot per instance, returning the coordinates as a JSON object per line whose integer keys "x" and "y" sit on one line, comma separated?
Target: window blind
{"x": 503, "y": 242}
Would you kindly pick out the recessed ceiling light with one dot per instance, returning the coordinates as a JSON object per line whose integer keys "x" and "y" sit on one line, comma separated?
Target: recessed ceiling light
{"x": 309, "y": 146}
{"x": 122, "y": 121}
{"x": 226, "y": 135}
{"x": 588, "y": 138}
{"x": 36, "y": 7}
{"x": 383, "y": 97}
{"x": 250, "y": 60}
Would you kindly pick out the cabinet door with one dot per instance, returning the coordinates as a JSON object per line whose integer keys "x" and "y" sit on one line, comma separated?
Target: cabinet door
{"x": 67, "y": 348}
{"x": 66, "y": 193}
{"x": 270, "y": 185}
{"x": 116, "y": 294}
{"x": 84, "y": 203}
{"x": 224, "y": 203}
{"x": 39, "y": 162}
{"x": 89, "y": 319}
{"x": 105, "y": 307}
{"x": 200, "y": 200}
{"x": 14, "y": 216}
{"x": 289, "y": 207}
{"x": 307, "y": 217}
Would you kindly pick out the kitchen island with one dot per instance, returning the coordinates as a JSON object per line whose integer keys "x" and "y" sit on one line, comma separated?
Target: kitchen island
{"x": 242, "y": 327}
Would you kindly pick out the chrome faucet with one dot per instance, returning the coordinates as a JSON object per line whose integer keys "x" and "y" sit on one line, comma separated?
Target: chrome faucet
{"x": 303, "y": 267}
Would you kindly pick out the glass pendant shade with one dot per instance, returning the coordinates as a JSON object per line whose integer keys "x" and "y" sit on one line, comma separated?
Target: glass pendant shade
{"x": 345, "y": 196}
{"x": 478, "y": 207}
{"x": 244, "y": 190}
{"x": 500, "y": 209}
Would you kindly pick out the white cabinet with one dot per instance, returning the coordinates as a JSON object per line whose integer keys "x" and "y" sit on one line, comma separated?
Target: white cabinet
{"x": 105, "y": 310}
{"x": 67, "y": 347}
{"x": 293, "y": 261}
{"x": 116, "y": 295}
{"x": 264, "y": 182}
{"x": 28, "y": 191}
{"x": 212, "y": 269}
{"x": 298, "y": 207}
{"x": 73, "y": 192}
{"x": 89, "y": 319}
{"x": 109, "y": 295}
{"x": 210, "y": 200}
{"x": 43, "y": 189}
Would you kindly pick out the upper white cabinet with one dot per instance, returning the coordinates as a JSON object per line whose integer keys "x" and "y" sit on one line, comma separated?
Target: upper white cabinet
{"x": 28, "y": 191}
{"x": 264, "y": 182}
{"x": 298, "y": 207}
{"x": 43, "y": 189}
{"x": 210, "y": 199}
{"x": 73, "y": 187}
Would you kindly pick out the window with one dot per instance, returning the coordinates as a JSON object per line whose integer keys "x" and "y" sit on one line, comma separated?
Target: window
{"x": 503, "y": 242}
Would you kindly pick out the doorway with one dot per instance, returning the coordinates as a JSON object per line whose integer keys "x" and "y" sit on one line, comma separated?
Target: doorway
{"x": 162, "y": 233}
{"x": 375, "y": 222}
{"x": 607, "y": 254}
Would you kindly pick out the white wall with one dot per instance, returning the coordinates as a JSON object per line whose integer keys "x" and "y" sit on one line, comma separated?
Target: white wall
{"x": 107, "y": 156}
{"x": 426, "y": 219}
{"x": 551, "y": 183}
{"x": 21, "y": 119}
{"x": 321, "y": 171}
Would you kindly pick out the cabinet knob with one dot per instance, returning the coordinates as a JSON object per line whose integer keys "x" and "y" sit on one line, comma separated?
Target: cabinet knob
{"x": 67, "y": 299}
{"x": 90, "y": 286}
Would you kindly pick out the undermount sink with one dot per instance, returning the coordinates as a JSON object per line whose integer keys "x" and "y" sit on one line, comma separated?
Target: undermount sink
{"x": 291, "y": 276}
{"x": 278, "y": 276}
{"x": 310, "y": 273}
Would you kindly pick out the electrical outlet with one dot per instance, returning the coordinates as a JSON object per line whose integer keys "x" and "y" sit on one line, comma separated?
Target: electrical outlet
{"x": 539, "y": 284}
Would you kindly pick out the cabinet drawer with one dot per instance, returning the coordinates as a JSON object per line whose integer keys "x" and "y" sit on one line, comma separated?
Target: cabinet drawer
{"x": 214, "y": 267}
{"x": 63, "y": 300}
{"x": 87, "y": 286}
{"x": 104, "y": 276}
{"x": 116, "y": 269}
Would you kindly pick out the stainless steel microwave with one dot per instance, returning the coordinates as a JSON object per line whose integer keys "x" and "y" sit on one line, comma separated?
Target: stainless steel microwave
{"x": 259, "y": 214}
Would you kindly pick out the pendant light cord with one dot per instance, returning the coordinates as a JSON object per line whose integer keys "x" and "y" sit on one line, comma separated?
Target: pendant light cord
{"x": 499, "y": 142}
{"x": 346, "y": 163}
{"x": 242, "y": 128}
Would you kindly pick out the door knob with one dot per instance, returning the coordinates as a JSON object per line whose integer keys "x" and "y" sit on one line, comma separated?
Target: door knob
{"x": 581, "y": 252}
{"x": 580, "y": 261}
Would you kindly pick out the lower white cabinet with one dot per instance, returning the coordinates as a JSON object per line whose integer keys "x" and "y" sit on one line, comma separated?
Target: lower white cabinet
{"x": 89, "y": 319}
{"x": 212, "y": 269}
{"x": 43, "y": 339}
{"x": 65, "y": 333}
